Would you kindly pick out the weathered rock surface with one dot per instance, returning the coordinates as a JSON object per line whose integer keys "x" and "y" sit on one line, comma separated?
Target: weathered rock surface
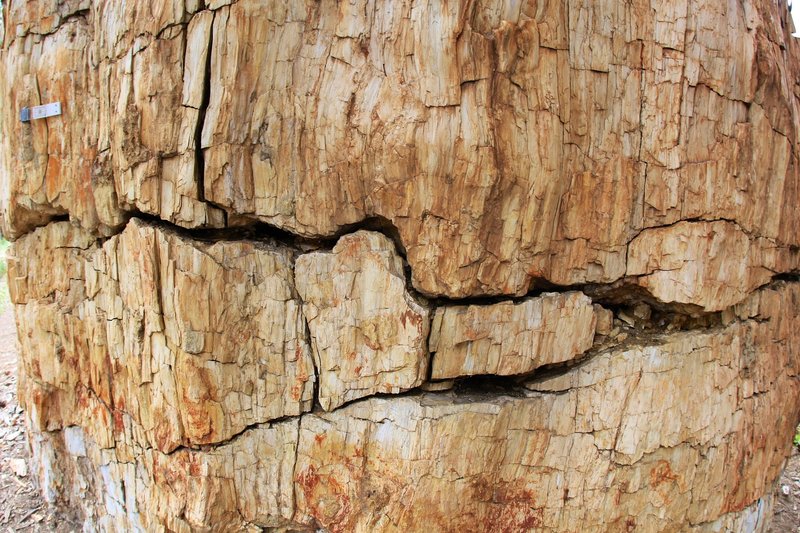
{"x": 627, "y": 440}
{"x": 179, "y": 341}
{"x": 709, "y": 264}
{"x": 368, "y": 333}
{"x": 576, "y": 126}
{"x": 511, "y": 338}
{"x": 200, "y": 286}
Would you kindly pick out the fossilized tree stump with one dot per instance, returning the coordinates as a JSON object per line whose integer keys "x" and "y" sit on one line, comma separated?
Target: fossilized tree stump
{"x": 405, "y": 265}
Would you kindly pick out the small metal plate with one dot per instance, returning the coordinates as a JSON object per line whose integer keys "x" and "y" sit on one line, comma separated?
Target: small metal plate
{"x": 52, "y": 109}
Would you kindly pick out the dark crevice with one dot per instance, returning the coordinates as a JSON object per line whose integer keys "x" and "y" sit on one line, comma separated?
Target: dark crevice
{"x": 254, "y": 232}
{"x": 262, "y": 231}
{"x": 752, "y": 234}
{"x": 621, "y": 296}
{"x": 79, "y": 15}
{"x": 538, "y": 287}
{"x": 161, "y": 34}
{"x": 473, "y": 388}
{"x": 492, "y": 384}
{"x": 431, "y": 354}
{"x": 624, "y": 297}
{"x": 310, "y": 343}
{"x": 58, "y": 218}
{"x": 199, "y": 155}
{"x": 376, "y": 223}
{"x": 792, "y": 277}
{"x": 488, "y": 386}
{"x": 633, "y": 339}
{"x": 213, "y": 445}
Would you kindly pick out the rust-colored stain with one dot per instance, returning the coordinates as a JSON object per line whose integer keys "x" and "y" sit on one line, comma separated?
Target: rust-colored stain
{"x": 85, "y": 191}
{"x": 296, "y": 392}
{"x": 200, "y": 423}
{"x": 53, "y": 175}
{"x": 661, "y": 473}
{"x": 194, "y": 465}
{"x": 119, "y": 422}
{"x": 410, "y": 317}
{"x": 622, "y": 489}
{"x": 326, "y": 498}
{"x": 499, "y": 507}
{"x": 163, "y": 436}
{"x": 661, "y": 480}
{"x": 471, "y": 333}
{"x": 372, "y": 344}
{"x": 83, "y": 399}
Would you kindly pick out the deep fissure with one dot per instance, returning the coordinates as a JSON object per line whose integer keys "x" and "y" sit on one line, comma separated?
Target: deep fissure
{"x": 199, "y": 155}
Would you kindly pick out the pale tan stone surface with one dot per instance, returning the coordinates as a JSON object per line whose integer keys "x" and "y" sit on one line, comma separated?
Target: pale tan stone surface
{"x": 642, "y": 153}
{"x": 368, "y": 334}
{"x": 180, "y": 341}
{"x": 511, "y": 338}
{"x": 709, "y": 264}
{"x": 553, "y": 117}
{"x": 232, "y": 487}
{"x": 657, "y": 437}
{"x": 663, "y": 433}
{"x": 156, "y": 94}
{"x": 524, "y": 141}
{"x": 126, "y": 138}
{"x": 47, "y": 167}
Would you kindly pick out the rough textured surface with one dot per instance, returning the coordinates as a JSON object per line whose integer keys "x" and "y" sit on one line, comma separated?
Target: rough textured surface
{"x": 709, "y": 264}
{"x": 505, "y": 141}
{"x": 546, "y": 253}
{"x": 368, "y": 333}
{"x": 179, "y": 341}
{"x": 508, "y": 338}
{"x": 627, "y": 440}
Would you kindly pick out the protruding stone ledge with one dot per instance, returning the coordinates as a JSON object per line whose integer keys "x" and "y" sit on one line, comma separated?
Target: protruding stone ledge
{"x": 710, "y": 264}
{"x": 368, "y": 333}
{"x": 511, "y": 338}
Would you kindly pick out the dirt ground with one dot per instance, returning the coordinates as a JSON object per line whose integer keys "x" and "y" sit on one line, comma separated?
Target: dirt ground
{"x": 22, "y": 509}
{"x": 787, "y": 498}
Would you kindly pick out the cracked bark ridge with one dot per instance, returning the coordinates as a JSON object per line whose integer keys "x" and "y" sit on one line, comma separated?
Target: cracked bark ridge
{"x": 368, "y": 333}
{"x": 709, "y": 264}
{"x": 214, "y": 336}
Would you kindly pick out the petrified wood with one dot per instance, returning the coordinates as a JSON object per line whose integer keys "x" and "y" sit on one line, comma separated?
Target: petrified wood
{"x": 394, "y": 265}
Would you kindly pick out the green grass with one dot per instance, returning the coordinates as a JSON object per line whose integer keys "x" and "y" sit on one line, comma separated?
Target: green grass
{"x": 4, "y": 244}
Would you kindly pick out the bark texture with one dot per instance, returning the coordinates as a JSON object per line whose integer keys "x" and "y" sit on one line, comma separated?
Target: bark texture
{"x": 393, "y": 265}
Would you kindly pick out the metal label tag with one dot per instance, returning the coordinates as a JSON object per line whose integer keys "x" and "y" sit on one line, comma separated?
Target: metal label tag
{"x": 52, "y": 109}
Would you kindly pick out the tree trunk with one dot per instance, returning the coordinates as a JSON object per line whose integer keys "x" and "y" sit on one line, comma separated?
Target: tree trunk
{"x": 394, "y": 265}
